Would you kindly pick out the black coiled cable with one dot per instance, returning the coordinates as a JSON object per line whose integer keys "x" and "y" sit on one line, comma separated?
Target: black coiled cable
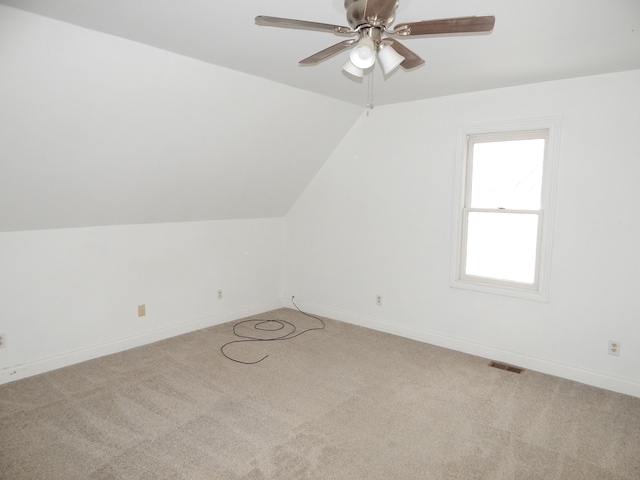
{"x": 264, "y": 325}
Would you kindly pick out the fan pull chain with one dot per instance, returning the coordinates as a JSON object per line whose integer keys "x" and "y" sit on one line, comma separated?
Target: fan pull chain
{"x": 370, "y": 93}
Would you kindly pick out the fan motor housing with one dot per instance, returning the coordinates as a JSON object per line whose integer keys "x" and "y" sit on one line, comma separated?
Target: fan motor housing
{"x": 357, "y": 14}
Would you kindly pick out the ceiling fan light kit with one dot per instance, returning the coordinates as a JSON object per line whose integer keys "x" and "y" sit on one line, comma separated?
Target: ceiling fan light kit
{"x": 363, "y": 55}
{"x": 351, "y": 69}
{"x": 370, "y": 22}
{"x": 389, "y": 59}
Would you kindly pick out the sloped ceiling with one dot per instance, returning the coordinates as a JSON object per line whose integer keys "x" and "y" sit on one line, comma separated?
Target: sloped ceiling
{"x": 533, "y": 40}
{"x": 119, "y": 112}
{"x": 98, "y": 130}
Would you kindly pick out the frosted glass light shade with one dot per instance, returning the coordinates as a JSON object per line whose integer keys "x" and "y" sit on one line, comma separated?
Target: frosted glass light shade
{"x": 389, "y": 59}
{"x": 363, "y": 55}
{"x": 351, "y": 69}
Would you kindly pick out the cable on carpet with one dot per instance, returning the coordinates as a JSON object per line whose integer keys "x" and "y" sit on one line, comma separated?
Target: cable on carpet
{"x": 268, "y": 325}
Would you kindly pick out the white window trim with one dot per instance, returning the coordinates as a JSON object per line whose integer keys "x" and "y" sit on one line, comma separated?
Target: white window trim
{"x": 540, "y": 289}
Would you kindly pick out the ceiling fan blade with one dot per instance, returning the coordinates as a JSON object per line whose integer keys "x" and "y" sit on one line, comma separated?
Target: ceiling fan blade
{"x": 265, "y": 21}
{"x": 483, "y": 23}
{"x": 380, "y": 12}
{"x": 411, "y": 60}
{"x": 327, "y": 52}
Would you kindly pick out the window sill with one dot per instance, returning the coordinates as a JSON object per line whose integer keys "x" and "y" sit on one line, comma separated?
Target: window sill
{"x": 506, "y": 290}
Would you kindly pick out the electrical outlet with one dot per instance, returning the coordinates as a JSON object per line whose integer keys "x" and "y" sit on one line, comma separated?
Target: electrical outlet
{"x": 220, "y": 294}
{"x": 378, "y": 299}
{"x": 1, "y": 340}
{"x": 142, "y": 310}
{"x": 614, "y": 347}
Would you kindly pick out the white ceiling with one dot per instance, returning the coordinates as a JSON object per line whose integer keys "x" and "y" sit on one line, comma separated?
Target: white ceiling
{"x": 99, "y": 130}
{"x": 533, "y": 41}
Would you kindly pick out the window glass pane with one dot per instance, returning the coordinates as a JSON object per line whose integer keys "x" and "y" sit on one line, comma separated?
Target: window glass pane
{"x": 502, "y": 246}
{"x": 507, "y": 174}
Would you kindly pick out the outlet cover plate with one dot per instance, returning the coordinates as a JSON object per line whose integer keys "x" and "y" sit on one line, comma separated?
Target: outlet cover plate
{"x": 614, "y": 347}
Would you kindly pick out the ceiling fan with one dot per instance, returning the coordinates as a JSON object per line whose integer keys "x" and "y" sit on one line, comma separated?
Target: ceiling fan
{"x": 374, "y": 38}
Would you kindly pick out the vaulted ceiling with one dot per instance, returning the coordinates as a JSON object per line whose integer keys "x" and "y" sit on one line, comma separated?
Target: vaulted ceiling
{"x": 533, "y": 40}
{"x": 121, "y": 112}
{"x": 98, "y": 130}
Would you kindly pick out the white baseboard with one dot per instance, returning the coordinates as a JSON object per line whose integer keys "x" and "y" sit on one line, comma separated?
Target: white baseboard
{"x": 10, "y": 374}
{"x": 569, "y": 372}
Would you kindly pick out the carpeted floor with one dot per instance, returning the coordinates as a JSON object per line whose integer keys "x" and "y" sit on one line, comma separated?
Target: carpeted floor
{"x": 340, "y": 403}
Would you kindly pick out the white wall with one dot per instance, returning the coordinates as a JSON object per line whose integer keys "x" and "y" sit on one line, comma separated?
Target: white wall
{"x": 69, "y": 295}
{"x": 97, "y": 131}
{"x": 377, "y": 219}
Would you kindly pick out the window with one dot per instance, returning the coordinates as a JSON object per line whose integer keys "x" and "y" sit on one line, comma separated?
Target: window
{"x": 504, "y": 206}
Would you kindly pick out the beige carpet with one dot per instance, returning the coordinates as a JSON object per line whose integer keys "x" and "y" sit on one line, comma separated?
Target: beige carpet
{"x": 340, "y": 403}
